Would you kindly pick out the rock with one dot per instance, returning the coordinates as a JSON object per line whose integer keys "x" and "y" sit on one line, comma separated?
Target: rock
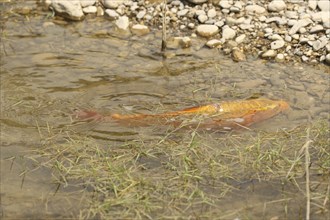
{"x": 90, "y": 9}
{"x": 312, "y": 4}
{"x": 141, "y": 14}
{"x": 112, "y": 14}
{"x": 280, "y": 57}
{"x": 319, "y": 44}
{"x": 191, "y": 25}
{"x": 213, "y": 43}
{"x": 316, "y": 28}
{"x": 69, "y": 9}
{"x": 327, "y": 59}
{"x": 237, "y": 55}
{"x": 202, "y": 18}
{"x": 240, "y": 38}
{"x": 277, "y": 20}
{"x": 178, "y": 42}
{"x": 304, "y": 58}
{"x": 182, "y": 13}
{"x": 228, "y": 33}
{"x": 225, "y": 4}
{"x": 139, "y": 29}
{"x": 276, "y": 6}
{"x": 324, "y": 5}
{"x": 268, "y": 54}
{"x": 207, "y": 30}
{"x": 197, "y": 2}
{"x": 122, "y": 23}
{"x": 255, "y": 9}
{"x": 250, "y": 84}
{"x": 111, "y": 4}
{"x": 303, "y": 100}
{"x": 277, "y": 44}
{"x": 86, "y": 3}
{"x": 301, "y": 23}
{"x": 211, "y": 13}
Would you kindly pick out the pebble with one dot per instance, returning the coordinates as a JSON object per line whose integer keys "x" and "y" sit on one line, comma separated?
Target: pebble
{"x": 228, "y": 33}
{"x": 269, "y": 54}
{"x": 139, "y": 29}
{"x": 122, "y": 23}
{"x": 225, "y": 4}
{"x": 86, "y": 3}
{"x": 110, "y": 4}
{"x": 182, "y": 12}
{"x": 240, "y": 39}
{"x": 250, "y": 84}
{"x": 277, "y": 44}
{"x": 197, "y": 2}
{"x": 327, "y": 59}
{"x": 276, "y": 6}
{"x": 301, "y": 23}
{"x": 237, "y": 55}
{"x": 207, "y": 30}
{"x": 90, "y": 9}
{"x": 316, "y": 28}
{"x": 112, "y": 14}
{"x": 213, "y": 43}
{"x": 211, "y": 13}
{"x": 202, "y": 18}
{"x": 280, "y": 57}
{"x": 141, "y": 14}
{"x": 255, "y": 9}
{"x": 68, "y": 9}
{"x": 324, "y": 5}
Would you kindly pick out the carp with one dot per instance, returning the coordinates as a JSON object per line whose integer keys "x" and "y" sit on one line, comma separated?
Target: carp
{"x": 226, "y": 114}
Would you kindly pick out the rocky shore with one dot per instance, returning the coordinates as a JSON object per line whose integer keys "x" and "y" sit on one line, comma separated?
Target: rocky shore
{"x": 280, "y": 30}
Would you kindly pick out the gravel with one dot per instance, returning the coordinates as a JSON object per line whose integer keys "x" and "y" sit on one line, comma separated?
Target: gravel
{"x": 283, "y": 30}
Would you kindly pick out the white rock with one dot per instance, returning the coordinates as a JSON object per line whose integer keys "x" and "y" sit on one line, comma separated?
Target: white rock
{"x": 279, "y": 57}
{"x": 111, "y": 4}
{"x": 191, "y": 25}
{"x": 324, "y": 5}
{"x": 225, "y": 4}
{"x": 122, "y": 23}
{"x": 220, "y": 23}
{"x": 139, "y": 29}
{"x": 327, "y": 59}
{"x": 69, "y": 9}
{"x": 304, "y": 58}
{"x": 90, "y": 9}
{"x": 277, "y": 44}
{"x": 319, "y": 44}
{"x": 141, "y": 14}
{"x": 202, "y": 18}
{"x": 211, "y": 13}
{"x": 207, "y": 30}
{"x": 240, "y": 38}
{"x": 200, "y": 12}
{"x": 269, "y": 54}
{"x": 183, "y": 12}
{"x": 86, "y": 3}
{"x": 302, "y": 30}
{"x": 275, "y": 37}
{"x": 213, "y": 43}
{"x": 228, "y": 33}
{"x": 277, "y": 20}
{"x": 276, "y": 5}
{"x": 288, "y": 38}
{"x": 301, "y": 23}
{"x": 111, "y": 14}
{"x": 312, "y": 4}
{"x": 255, "y": 9}
{"x": 316, "y": 28}
{"x": 197, "y": 2}
{"x": 291, "y": 14}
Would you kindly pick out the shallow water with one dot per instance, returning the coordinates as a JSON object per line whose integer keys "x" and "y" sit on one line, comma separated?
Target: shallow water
{"x": 48, "y": 70}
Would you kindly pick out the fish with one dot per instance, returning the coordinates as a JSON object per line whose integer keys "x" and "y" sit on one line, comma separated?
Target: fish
{"x": 226, "y": 114}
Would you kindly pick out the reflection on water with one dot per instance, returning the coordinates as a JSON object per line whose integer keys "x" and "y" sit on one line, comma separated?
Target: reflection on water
{"x": 48, "y": 70}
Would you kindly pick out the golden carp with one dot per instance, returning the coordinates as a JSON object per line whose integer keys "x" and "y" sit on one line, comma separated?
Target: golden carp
{"x": 226, "y": 114}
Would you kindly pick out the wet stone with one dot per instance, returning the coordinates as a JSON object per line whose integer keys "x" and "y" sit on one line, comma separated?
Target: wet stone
{"x": 251, "y": 84}
{"x": 69, "y": 9}
{"x": 303, "y": 100}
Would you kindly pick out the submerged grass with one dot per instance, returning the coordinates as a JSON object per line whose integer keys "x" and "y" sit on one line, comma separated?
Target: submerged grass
{"x": 190, "y": 174}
